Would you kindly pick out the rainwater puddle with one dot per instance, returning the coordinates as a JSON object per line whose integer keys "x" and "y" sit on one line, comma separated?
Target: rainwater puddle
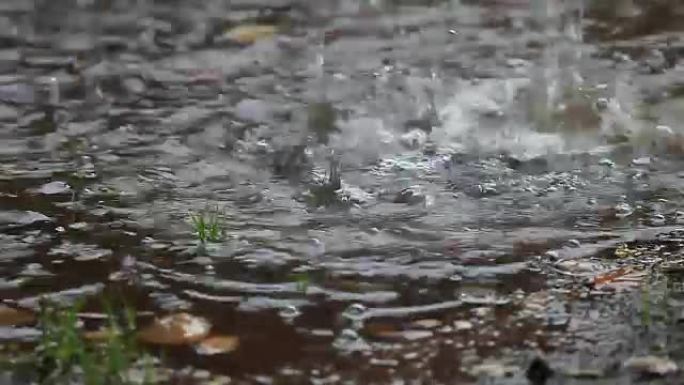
{"x": 390, "y": 191}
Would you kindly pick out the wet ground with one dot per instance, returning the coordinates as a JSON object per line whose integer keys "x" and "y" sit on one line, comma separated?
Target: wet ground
{"x": 412, "y": 192}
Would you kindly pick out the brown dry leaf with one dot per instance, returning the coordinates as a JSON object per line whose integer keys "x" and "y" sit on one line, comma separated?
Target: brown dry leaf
{"x": 217, "y": 345}
{"x": 406, "y": 335}
{"x": 605, "y": 278}
{"x": 248, "y": 34}
{"x": 622, "y": 278}
{"x": 176, "y": 329}
{"x": 15, "y": 317}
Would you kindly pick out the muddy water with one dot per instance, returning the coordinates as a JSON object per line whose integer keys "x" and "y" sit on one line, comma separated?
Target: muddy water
{"x": 404, "y": 185}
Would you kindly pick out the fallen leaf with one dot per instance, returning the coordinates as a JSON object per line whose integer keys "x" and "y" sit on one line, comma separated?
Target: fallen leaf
{"x": 248, "y": 34}
{"x": 605, "y": 278}
{"x": 427, "y": 323}
{"x": 407, "y": 335}
{"x": 15, "y": 317}
{"x": 622, "y": 278}
{"x": 176, "y": 329}
{"x": 217, "y": 345}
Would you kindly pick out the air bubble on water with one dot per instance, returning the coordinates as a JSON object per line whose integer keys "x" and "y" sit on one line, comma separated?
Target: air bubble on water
{"x": 573, "y": 243}
{"x": 455, "y": 278}
{"x": 656, "y": 220}
{"x": 606, "y": 162}
{"x": 355, "y": 311}
{"x": 349, "y": 341}
{"x": 289, "y": 313}
{"x": 623, "y": 210}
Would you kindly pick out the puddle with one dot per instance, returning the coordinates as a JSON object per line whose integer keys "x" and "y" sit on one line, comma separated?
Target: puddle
{"x": 405, "y": 191}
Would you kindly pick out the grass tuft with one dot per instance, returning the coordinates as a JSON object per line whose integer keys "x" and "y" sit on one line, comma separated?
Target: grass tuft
{"x": 207, "y": 225}
{"x": 302, "y": 280}
{"x": 64, "y": 356}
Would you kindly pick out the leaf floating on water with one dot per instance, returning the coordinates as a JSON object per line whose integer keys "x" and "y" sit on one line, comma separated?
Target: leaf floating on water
{"x": 622, "y": 278}
{"x": 15, "y": 317}
{"x": 176, "y": 329}
{"x": 406, "y": 335}
{"x": 611, "y": 276}
{"x": 217, "y": 345}
{"x": 248, "y": 34}
{"x": 623, "y": 251}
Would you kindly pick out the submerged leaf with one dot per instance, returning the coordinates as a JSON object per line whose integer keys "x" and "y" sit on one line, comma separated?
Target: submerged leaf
{"x": 176, "y": 329}
{"x": 15, "y": 317}
{"x": 217, "y": 345}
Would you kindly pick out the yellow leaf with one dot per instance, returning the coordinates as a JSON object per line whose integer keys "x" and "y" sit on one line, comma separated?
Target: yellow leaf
{"x": 248, "y": 34}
